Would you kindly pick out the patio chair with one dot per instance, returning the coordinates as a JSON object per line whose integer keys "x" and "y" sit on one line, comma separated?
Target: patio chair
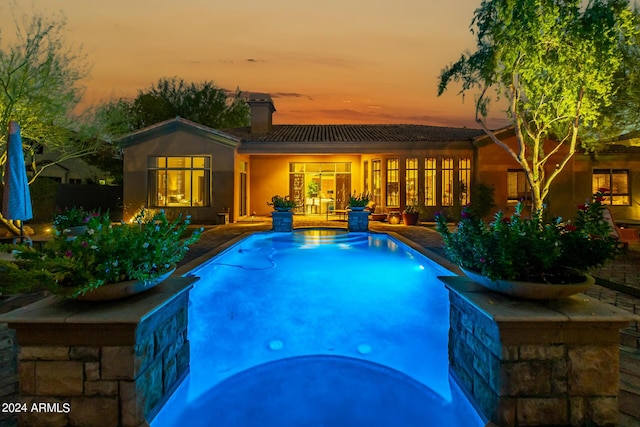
{"x": 625, "y": 236}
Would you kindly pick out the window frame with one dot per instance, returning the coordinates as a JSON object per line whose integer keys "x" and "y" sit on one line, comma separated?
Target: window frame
{"x": 393, "y": 182}
{"x": 526, "y": 194}
{"x": 158, "y": 197}
{"x": 612, "y": 195}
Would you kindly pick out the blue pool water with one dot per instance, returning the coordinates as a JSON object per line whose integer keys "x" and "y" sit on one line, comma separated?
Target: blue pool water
{"x": 318, "y": 328}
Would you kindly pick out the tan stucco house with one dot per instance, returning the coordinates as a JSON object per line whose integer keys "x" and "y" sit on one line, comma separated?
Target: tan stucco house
{"x": 181, "y": 166}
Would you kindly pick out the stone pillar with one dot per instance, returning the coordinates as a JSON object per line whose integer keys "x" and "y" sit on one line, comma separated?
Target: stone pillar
{"x": 102, "y": 364}
{"x": 535, "y": 363}
{"x": 359, "y": 220}
{"x": 282, "y": 221}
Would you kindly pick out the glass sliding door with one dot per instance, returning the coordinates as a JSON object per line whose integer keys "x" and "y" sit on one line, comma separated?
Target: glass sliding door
{"x": 319, "y": 187}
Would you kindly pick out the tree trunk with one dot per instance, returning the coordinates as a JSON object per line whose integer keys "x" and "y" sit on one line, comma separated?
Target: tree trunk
{"x": 9, "y": 225}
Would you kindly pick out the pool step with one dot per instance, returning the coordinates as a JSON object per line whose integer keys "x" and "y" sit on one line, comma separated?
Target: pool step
{"x": 323, "y": 236}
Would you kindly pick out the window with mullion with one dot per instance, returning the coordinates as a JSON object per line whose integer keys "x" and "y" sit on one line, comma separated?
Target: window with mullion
{"x": 179, "y": 181}
{"x": 615, "y": 182}
{"x": 393, "y": 182}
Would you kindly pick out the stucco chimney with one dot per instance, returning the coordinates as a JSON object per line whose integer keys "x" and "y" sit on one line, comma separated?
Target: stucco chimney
{"x": 262, "y": 110}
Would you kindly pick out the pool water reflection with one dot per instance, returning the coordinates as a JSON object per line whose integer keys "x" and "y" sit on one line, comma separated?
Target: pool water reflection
{"x": 285, "y": 297}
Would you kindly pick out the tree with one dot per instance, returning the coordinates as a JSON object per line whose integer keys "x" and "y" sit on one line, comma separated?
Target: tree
{"x": 39, "y": 89}
{"x": 203, "y": 103}
{"x": 557, "y": 64}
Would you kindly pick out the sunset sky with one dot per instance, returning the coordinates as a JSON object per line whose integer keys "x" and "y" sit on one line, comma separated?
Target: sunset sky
{"x": 335, "y": 61}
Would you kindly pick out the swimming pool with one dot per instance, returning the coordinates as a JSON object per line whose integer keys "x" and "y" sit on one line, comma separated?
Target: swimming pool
{"x": 318, "y": 327}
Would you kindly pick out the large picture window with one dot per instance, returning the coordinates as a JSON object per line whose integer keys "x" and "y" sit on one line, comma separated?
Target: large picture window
{"x": 616, "y": 181}
{"x": 179, "y": 181}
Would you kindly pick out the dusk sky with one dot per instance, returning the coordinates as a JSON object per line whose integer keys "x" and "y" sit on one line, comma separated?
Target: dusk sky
{"x": 347, "y": 61}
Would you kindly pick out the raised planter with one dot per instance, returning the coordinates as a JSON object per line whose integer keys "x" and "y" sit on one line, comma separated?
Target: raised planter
{"x": 535, "y": 363}
{"x": 113, "y": 291}
{"x": 109, "y": 364}
{"x": 531, "y": 290}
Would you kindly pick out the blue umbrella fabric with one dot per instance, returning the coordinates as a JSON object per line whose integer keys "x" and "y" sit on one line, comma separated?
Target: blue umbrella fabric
{"x": 16, "y": 199}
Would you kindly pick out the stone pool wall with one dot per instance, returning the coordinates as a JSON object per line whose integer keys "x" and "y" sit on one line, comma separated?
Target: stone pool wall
{"x": 527, "y": 363}
{"x": 102, "y": 364}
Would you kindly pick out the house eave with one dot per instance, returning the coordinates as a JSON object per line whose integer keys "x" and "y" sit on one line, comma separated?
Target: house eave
{"x": 248, "y": 147}
{"x": 178, "y": 124}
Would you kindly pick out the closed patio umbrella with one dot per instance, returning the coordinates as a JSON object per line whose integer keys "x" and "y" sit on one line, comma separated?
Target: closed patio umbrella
{"x": 16, "y": 199}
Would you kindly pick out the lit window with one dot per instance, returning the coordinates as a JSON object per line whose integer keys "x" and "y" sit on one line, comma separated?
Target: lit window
{"x": 616, "y": 181}
{"x": 411, "y": 181}
{"x": 393, "y": 183}
{"x": 447, "y": 182}
{"x": 518, "y": 188}
{"x": 376, "y": 177}
{"x": 430, "y": 181}
{"x": 464, "y": 178}
{"x": 179, "y": 181}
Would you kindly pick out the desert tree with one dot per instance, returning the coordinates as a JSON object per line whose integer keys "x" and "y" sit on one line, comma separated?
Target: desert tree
{"x": 40, "y": 75}
{"x": 201, "y": 102}
{"x": 556, "y": 65}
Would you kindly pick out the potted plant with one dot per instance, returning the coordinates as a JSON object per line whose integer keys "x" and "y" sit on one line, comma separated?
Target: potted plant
{"x": 551, "y": 256}
{"x": 410, "y": 215}
{"x": 282, "y": 204}
{"x": 73, "y": 222}
{"x": 108, "y": 260}
{"x": 357, "y": 202}
{"x": 313, "y": 189}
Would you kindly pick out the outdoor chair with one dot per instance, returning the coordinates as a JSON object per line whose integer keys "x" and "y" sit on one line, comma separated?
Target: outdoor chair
{"x": 624, "y": 235}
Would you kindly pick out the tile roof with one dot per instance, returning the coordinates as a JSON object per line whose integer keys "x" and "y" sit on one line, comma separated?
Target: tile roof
{"x": 356, "y": 133}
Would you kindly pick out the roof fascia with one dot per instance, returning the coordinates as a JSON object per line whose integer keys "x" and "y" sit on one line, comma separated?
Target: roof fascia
{"x": 166, "y": 128}
{"x": 363, "y": 147}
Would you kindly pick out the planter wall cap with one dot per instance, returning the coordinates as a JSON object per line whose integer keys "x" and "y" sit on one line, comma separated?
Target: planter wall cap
{"x": 132, "y": 310}
{"x": 505, "y": 309}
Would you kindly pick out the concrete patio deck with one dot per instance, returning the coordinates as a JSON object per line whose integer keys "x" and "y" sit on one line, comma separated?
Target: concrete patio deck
{"x": 617, "y": 283}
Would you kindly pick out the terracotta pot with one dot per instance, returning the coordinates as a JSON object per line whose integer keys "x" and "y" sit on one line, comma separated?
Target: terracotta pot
{"x": 531, "y": 290}
{"x": 112, "y": 291}
{"x": 410, "y": 218}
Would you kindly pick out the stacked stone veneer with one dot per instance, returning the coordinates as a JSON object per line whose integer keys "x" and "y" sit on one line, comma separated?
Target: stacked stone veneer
{"x": 358, "y": 220}
{"x": 8, "y": 373}
{"x": 527, "y": 363}
{"x": 102, "y": 364}
{"x": 282, "y": 221}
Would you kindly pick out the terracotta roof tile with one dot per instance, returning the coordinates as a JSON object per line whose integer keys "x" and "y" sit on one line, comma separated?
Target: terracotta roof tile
{"x": 356, "y": 133}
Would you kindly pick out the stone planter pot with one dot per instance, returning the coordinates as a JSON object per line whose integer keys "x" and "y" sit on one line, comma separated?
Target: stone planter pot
{"x": 282, "y": 221}
{"x": 113, "y": 291}
{"x": 76, "y": 231}
{"x": 531, "y": 290}
{"x": 410, "y": 218}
